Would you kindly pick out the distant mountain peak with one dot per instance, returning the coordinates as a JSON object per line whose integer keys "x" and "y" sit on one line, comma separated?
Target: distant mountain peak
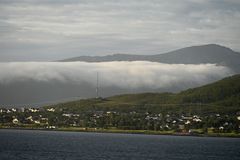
{"x": 212, "y": 45}
{"x": 208, "y": 53}
{"x": 205, "y": 48}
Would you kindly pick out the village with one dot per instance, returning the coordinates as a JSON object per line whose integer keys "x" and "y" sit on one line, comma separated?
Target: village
{"x": 50, "y": 118}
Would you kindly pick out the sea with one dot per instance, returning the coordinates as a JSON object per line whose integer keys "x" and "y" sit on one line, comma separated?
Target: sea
{"x": 59, "y": 145}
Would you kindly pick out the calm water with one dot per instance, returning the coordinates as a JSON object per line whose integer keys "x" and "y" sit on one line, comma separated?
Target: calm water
{"x": 45, "y": 145}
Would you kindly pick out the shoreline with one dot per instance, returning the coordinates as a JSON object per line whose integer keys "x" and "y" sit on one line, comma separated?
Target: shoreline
{"x": 119, "y": 131}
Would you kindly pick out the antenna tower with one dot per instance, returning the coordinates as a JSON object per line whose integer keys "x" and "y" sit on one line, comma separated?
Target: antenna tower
{"x": 97, "y": 94}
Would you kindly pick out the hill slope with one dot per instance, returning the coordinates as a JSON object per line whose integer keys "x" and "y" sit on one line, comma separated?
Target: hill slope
{"x": 210, "y": 53}
{"x": 220, "y": 97}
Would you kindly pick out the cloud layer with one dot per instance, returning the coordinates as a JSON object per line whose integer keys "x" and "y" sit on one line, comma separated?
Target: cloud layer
{"x": 138, "y": 74}
{"x": 53, "y": 30}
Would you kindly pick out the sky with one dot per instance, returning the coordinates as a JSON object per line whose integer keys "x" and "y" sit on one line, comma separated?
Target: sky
{"x": 47, "y": 30}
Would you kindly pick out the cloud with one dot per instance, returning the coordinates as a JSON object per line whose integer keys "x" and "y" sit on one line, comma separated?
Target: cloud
{"x": 51, "y": 30}
{"x": 124, "y": 74}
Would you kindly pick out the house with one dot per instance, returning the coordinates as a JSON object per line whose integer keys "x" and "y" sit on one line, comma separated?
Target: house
{"x": 66, "y": 114}
{"x": 238, "y": 117}
{"x": 197, "y": 120}
{"x": 167, "y": 126}
{"x": 14, "y": 110}
{"x": 221, "y": 128}
{"x": 30, "y": 118}
{"x": 33, "y": 110}
{"x": 37, "y": 122}
{"x": 168, "y": 120}
{"x": 15, "y": 121}
{"x": 22, "y": 109}
{"x": 226, "y": 124}
{"x": 2, "y": 110}
{"x": 187, "y": 122}
{"x": 51, "y": 110}
{"x": 181, "y": 126}
{"x": 44, "y": 120}
{"x": 147, "y": 117}
{"x": 70, "y": 115}
{"x": 51, "y": 127}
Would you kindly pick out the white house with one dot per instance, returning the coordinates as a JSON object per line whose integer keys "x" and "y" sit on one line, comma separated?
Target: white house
{"x": 30, "y": 118}
{"x": 15, "y": 121}
{"x": 238, "y": 118}
{"x": 51, "y": 110}
{"x": 37, "y": 122}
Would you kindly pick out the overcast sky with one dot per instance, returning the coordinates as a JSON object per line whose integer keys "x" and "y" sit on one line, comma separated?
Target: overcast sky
{"x": 44, "y": 30}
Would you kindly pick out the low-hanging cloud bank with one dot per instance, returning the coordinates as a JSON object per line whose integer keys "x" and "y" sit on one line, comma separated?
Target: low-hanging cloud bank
{"x": 117, "y": 74}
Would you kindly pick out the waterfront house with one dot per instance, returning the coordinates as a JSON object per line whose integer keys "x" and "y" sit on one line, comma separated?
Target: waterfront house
{"x": 238, "y": 118}
{"x": 181, "y": 126}
{"x": 15, "y": 121}
{"x": 37, "y": 122}
{"x": 44, "y": 120}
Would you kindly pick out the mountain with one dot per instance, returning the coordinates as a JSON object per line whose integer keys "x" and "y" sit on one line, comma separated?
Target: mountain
{"x": 41, "y": 88}
{"x": 37, "y": 93}
{"x": 210, "y": 53}
{"x": 220, "y": 97}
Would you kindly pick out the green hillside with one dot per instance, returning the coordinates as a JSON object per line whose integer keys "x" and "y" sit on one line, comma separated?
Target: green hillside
{"x": 220, "y": 97}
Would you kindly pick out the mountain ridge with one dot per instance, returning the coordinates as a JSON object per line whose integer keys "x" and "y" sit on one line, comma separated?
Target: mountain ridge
{"x": 210, "y": 53}
{"x": 222, "y": 96}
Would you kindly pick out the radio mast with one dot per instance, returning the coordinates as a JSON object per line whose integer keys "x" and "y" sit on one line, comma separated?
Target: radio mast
{"x": 97, "y": 95}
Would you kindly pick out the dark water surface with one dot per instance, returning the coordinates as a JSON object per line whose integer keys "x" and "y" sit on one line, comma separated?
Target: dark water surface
{"x": 49, "y": 145}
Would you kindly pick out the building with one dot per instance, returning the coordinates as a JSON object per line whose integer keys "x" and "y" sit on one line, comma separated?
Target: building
{"x": 15, "y": 121}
